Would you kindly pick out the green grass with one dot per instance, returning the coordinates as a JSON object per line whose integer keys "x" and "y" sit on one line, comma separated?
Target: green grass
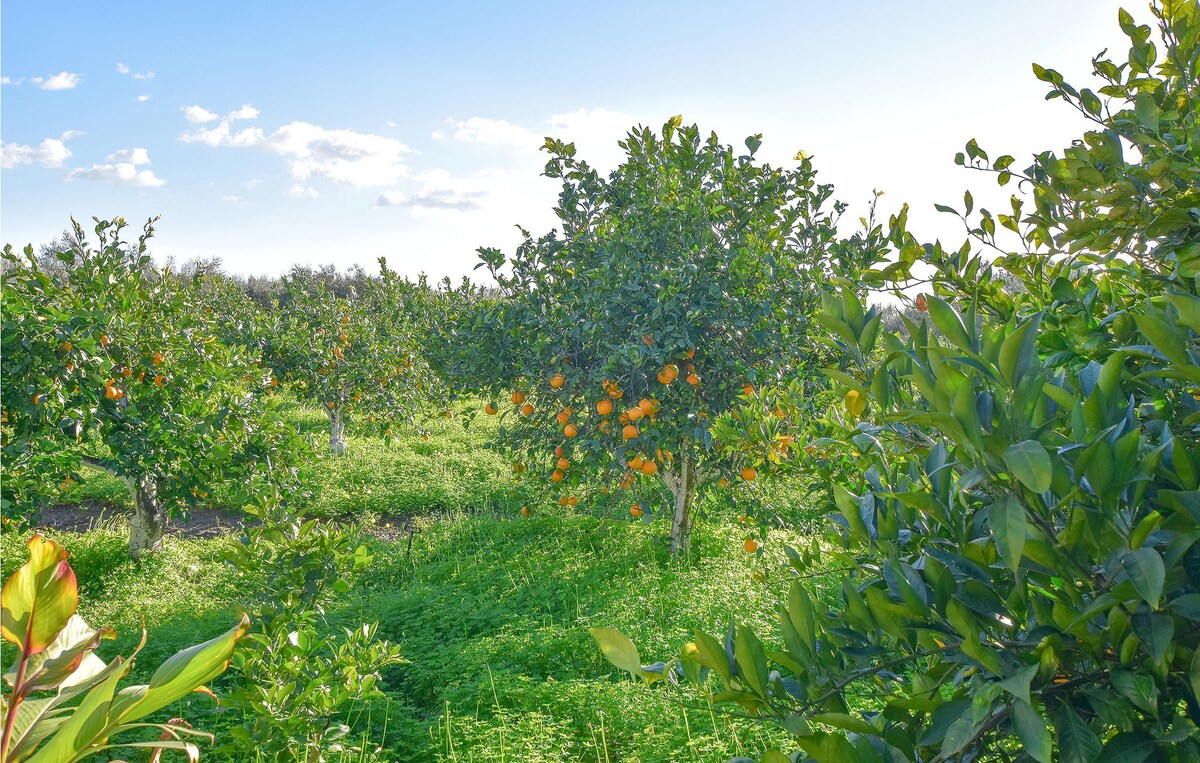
{"x": 491, "y": 609}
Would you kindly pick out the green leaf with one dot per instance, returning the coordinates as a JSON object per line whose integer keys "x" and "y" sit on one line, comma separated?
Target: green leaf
{"x": 845, "y": 722}
{"x": 1018, "y": 351}
{"x": 40, "y": 597}
{"x": 1077, "y": 743}
{"x": 751, "y": 660}
{"x": 1155, "y": 631}
{"x": 618, "y": 649}
{"x": 774, "y": 756}
{"x": 1018, "y": 683}
{"x": 182, "y": 673}
{"x": 1031, "y": 730}
{"x": 1146, "y": 571}
{"x": 1007, "y": 522}
{"x": 1128, "y": 747}
{"x": 949, "y": 323}
{"x": 1029, "y": 462}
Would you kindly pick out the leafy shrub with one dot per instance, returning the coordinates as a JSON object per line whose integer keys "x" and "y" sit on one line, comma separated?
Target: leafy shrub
{"x": 1021, "y": 525}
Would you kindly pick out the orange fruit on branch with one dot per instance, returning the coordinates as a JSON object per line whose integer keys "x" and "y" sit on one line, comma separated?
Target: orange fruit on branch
{"x": 557, "y": 381}
{"x": 570, "y": 431}
{"x": 491, "y": 409}
{"x": 636, "y": 510}
{"x": 749, "y": 474}
{"x": 563, "y": 464}
{"x": 527, "y": 409}
{"x": 750, "y": 545}
{"x": 629, "y": 432}
{"x": 649, "y": 468}
{"x": 604, "y": 407}
{"x": 557, "y": 476}
{"x": 518, "y": 397}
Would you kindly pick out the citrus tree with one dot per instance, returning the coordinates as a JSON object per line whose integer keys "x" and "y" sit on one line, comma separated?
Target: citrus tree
{"x": 679, "y": 281}
{"x": 1016, "y": 536}
{"x": 355, "y": 356}
{"x": 111, "y": 366}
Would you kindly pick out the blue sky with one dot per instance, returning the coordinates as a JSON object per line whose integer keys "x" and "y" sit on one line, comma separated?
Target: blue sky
{"x": 269, "y": 134}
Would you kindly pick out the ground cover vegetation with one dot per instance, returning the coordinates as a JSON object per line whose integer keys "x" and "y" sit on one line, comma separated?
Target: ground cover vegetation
{"x": 394, "y": 520}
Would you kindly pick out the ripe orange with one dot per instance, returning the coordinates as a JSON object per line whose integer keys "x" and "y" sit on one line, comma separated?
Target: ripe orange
{"x": 274, "y": 382}
{"x": 110, "y": 392}
{"x": 750, "y": 545}
{"x": 636, "y": 413}
{"x": 527, "y": 409}
{"x": 517, "y": 467}
{"x": 563, "y": 464}
{"x": 557, "y": 476}
{"x": 648, "y": 339}
{"x": 650, "y": 468}
{"x": 636, "y": 510}
{"x": 647, "y": 405}
{"x": 562, "y": 501}
{"x": 691, "y": 354}
{"x": 526, "y": 511}
{"x": 570, "y": 431}
{"x": 557, "y": 381}
{"x": 604, "y": 424}
{"x": 629, "y": 432}
{"x": 693, "y": 380}
{"x": 126, "y": 372}
{"x": 604, "y": 407}
{"x": 747, "y": 389}
{"x": 572, "y": 501}
{"x": 518, "y": 397}
{"x": 636, "y": 462}
{"x": 160, "y": 380}
{"x": 342, "y": 337}
{"x": 70, "y": 366}
{"x": 563, "y": 416}
{"x": 329, "y": 404}
{"x": 141, "y": 375}
{"x": 668, "y": 373}
{"x": 66, "y": 483}
{"x": 491, "y": 409}
{"x": 779, "y": 414}
{"x": 558, "y": 451}
{"x": 105, "y": 340}
{"x": 749, "y": 474}
{"x": 67, "y": 346}
{"x": 345, "y": 319}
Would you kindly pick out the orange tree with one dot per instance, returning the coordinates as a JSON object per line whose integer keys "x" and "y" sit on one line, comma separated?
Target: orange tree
{"x": 1017, "y": 529}
{"x": 110, "y": 365}
{"x": 355, "y": 356}
{"x": 679, "y": 281}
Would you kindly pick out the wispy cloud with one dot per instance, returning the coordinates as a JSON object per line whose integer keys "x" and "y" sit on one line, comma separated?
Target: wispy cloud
{"x": 122, "y": 169}
{"x": 123, "y": 69}
{"x": 491, "y": 132}
{"x": 311, "y": 151}
{"x": 142, "y": 98}
{"x": 442, "y": 192}
{"x": 232, "y": 199}
{"x": 301, "y": 191}
{"x": 64, "y": 80}
{"x": 51, "y": 152}
{"x": 595, "y": 133}
{"x": 6, "y": 80}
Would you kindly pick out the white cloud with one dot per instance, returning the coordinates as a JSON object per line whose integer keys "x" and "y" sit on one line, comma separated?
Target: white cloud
{"x": 253, "y": 182}
{"x": 245, "y": 112}
{"x": 391, "y": 124}
{"x": 133, "y": 156}
{"x": 143, "y": 98}
{"x": 6, "y": 80}
{"x": 64, "y": 80}
{"x": 123, "y": 173}
{"x": 123, "y": 69}
{"x": 198, "y": 115}
{"x": 391, "y": 199}
{"x": 301, "y": 191}
{"x": 51, "y": 152}
{"x": 311, "y": 151}
{"x": 493, "y": 132}
{"x": 594, "y": 132}
{"x": 232, "y": 198}
{"x": 441, "y": 192}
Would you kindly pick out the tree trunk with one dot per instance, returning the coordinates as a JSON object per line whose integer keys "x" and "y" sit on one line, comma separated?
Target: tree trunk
{"x": 682, "y": 487}
{"x": 149, "y": 522}
{"x": 337, "y": 431}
